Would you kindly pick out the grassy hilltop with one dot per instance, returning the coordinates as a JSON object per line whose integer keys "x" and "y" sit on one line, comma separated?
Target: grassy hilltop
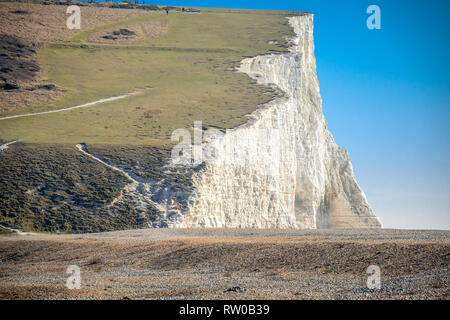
{"x": 183, "y": 67}
{"x": 184, "y": 74}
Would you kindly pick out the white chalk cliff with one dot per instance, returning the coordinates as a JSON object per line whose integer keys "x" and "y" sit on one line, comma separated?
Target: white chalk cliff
{"x": 283, "y": 168}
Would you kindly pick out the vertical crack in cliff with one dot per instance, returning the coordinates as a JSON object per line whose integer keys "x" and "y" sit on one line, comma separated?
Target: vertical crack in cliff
{"x": 286, "y": 170}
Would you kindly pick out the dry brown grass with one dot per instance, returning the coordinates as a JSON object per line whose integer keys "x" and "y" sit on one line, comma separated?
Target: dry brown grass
{"x": 143, "y": 30}
{"x": 47, "y": 23}
{"x": 9, "y": 100}
{"x": 101, "y": 37}
{"x": 154, "y": 29}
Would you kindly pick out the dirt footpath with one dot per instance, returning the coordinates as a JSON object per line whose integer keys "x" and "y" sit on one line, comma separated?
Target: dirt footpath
{"x": 227, "y": 264}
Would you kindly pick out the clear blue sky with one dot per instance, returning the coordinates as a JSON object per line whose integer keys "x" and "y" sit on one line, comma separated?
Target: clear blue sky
{"x": 386, "y": 98}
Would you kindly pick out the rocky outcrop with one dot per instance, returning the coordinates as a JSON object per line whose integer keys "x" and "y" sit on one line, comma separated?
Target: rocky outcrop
{"x": 283, "y": 168}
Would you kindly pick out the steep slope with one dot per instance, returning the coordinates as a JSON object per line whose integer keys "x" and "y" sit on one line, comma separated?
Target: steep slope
{"x": 283, "y": 168}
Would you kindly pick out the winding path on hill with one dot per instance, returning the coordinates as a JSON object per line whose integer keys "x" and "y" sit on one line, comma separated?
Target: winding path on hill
{"x": 17, "y": 231}
{"x": 74, "y": 107}
{"x": 133, "y": 187}
{"x": 82, "y": 148}
{"x": 5, "y": 146}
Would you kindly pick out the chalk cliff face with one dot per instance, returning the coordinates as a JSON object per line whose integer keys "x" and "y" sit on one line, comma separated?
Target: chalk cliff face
{"x": 283, "y": 168}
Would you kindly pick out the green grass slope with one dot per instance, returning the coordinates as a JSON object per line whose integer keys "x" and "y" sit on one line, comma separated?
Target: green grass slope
{"x": 183, "y": 75}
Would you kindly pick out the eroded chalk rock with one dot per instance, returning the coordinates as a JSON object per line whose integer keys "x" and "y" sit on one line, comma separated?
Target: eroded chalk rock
{"x": 286, "y": 171}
